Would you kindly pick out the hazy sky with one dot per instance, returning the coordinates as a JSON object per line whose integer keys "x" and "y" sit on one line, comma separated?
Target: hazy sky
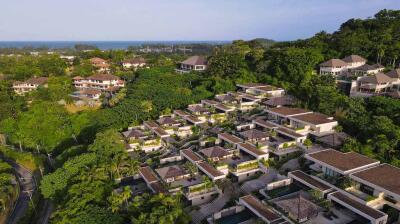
{"x": 178, "y": 19}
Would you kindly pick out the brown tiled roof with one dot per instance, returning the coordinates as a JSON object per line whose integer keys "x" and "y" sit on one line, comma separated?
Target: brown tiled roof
{"x": 359, "y": 206}
{"x": 252, "y": 148}
{"x": 262, "y": 209}
{"x": 159, "y": 131}
{"x": 215, "y": 151}
{"x": 394, "y": 74}
{"x": 167, "y": 121}
{"x": 314, "y": 118}
{"x": 158, "y": 187}
{"x": 103, "y": 77}
{"x": 148, "y": 174}
{"x": 170, "y": 172}
{"x": 77, "y": 78}
{"x": 97, "y": 60}
{"x": 133, "y": 133}
{"x": 36, "y": 81}
{"x": 288, "y": 111}
{"x": 333, "y": 63}
{"x": 225, "y": 97}
{"x": 192, "y": 119}
{"x": 113, "y": 89}
{"x": 253, "y": 134}
{"x": 210, "y": 169}
{"x": 197, "y": 108}
{"x": 189, "y": 153}
{"x": 342, "y": 161}
{"x": 354, "y": 58}
{"x": 384, "y": 176}
{"x": 307, "y": 178}
{"x": 230, "y": 137}
{"x": 365, "y": 67}
{"x": 195, "y": 60}
{"x": 378, "y": 78}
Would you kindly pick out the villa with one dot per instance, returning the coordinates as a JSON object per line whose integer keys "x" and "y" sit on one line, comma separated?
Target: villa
{"x": 194, "y": 63}
{"x": 101, "y": 64}
{"x": 29, "y": 85}
{"x": 134, "y": 63}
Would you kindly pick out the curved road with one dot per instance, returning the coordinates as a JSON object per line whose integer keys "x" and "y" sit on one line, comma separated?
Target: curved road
{"x": 27, "y": 187}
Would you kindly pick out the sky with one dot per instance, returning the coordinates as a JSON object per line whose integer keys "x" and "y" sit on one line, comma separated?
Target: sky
{"x": 154, "y": 20}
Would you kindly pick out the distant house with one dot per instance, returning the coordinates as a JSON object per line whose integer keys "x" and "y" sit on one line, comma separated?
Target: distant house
{"x": 332, "y": 67}
{"x": 194, "y": 63}
{"x": 29, "y": 85}
{"x": 101, "y": 82}
{"x": 354, "y": 61}
{"x": 378, "y": 83}
{"x": 100, "y": 64}
{"x": 134, "y": 63}
{"x": 90, "y": 93}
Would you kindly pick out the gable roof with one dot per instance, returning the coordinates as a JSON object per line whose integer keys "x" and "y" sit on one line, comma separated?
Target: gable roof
{"x": 354, "y": 58}
{"x": 195, "y": 60}
{"x": 333, "y": 63}
{"x": 366, "y": 67}
{"x": 97, "y": 60}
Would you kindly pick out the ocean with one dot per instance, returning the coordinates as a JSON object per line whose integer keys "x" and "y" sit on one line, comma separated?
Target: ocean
{"x": 103, "y": 45}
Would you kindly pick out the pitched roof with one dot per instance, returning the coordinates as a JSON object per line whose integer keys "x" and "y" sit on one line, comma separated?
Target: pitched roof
{"x": 190, "y": 154}
{"x": 333, "y": 63}
{"x": 133, "y": 133}
{"x": 253, "y": 134}
{"x": 299, "y": 207}
{"x": 342, "y": 161}
{"x": 167, "y": 121}
{"x": 195, "y": 60}
{"x": 215, "y": 151}
{"x": 366, "y": 67}
{"x": 33, "y": 81}
{"x": 97, "y": 60}
{"x": 394, "y": 74}
{"x": 77, "y": 78}
{"x": 103, "y": 77}
{"x": 147, "y": 174}
{"x": 354, "y": 58}
{"x": 384, "y": 176}
{"x": 314, "y": 118}
{"x": 378, "y": 78}
{"x": 170, "y": 172}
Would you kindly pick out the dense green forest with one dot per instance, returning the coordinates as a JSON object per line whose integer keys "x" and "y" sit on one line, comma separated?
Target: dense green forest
{"x": 86, "y": 148}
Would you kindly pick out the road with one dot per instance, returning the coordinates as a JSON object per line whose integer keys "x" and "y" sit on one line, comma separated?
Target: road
{"x": 27, "y": 187}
